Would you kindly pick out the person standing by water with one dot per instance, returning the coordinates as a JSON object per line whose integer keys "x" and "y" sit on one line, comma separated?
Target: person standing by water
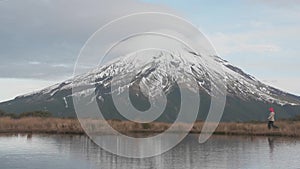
{"x": 271, "y": 119}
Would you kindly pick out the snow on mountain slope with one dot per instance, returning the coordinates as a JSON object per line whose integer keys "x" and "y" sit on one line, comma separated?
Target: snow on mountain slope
{"x": 159, "y": 70}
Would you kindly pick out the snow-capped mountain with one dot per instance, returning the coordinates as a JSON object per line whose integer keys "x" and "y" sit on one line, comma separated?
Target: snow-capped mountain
{"x": 149, "y": 73}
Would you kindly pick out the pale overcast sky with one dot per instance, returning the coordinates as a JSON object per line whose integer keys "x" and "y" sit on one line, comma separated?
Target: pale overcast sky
{"x": 40, "y": 39}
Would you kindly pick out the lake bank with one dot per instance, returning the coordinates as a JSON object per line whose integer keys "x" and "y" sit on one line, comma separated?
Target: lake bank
{"x": 72, "y": 126}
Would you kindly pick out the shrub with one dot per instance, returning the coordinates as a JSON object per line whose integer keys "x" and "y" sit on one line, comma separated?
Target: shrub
{"x": 296, "y": 118}
{"x": 26, "y": 114}
{"x": 36, "y": 114}
{"x": 2, "y": 113}
{"x": 146, "y": 126}
{"x": 12, "y": 115}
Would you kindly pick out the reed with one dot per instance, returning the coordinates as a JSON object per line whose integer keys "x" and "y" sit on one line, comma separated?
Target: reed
{"x": 72, "y": 126}
{"x": 39, "y": 125}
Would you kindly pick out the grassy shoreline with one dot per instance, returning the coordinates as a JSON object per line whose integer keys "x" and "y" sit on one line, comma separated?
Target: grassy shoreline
{"x": 72, "y": 126}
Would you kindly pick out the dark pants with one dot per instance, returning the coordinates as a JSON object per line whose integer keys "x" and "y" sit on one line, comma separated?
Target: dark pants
{"x": 271, "y": 125}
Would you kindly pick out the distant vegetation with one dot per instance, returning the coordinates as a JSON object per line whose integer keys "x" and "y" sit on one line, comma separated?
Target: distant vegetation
{"x": 36, "y": 114}
{"x": 2, "y": 113}
{"x": 296, "y": 118}
{"x": 25, "y": 114}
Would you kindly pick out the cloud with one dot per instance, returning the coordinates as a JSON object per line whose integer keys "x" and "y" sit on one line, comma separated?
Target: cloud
{"x": 228, "y": 44}
{"x": 287, "y": 84}
{"x": 46, "y": 36}
{"x": 34, "y": 62}
{"x": 270, "y": 40}
{"x": 61, "y": 65}
{"x": 277, "y": 3}
{"x": 14, "y": 87}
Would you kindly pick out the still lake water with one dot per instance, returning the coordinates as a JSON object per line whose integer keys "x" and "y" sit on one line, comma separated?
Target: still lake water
{"x": 78, "y": 152}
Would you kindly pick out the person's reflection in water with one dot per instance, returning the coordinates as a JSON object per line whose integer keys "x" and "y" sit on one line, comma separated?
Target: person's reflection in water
{"x": 29, "y": 136}
{"x": 271, "y": 144}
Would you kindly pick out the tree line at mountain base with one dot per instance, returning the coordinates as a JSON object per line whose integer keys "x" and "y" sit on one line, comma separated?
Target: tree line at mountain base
{"x": 26, "y": 114}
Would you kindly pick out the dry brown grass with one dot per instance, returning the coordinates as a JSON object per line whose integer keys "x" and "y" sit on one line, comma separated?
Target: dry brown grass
{"x": 72, "y": 126}
{"x": 39, "y": 125}
{"x": 286, "y": 128}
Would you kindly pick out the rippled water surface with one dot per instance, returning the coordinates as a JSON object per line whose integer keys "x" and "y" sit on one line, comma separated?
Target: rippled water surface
{"x": 78, "y": 152}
